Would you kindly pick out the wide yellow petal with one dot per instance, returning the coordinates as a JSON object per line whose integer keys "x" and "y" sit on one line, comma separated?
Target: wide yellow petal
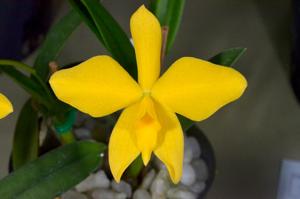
{"x": 122, "y": 148}
{"x": 196, "y": 88}
{"x": 171, "y": 146}
{"x": 146, "y": 35}
{"x": 98, "y": 86}
{"x": 5, "y": 106}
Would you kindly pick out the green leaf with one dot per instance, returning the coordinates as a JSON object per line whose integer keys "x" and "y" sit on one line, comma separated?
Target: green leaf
{"x": 185, "y": 122}
{"x": 85, "y": 16}
{"x": 26, "y": 137}
{"x": 226, "y": 58}
{"x": 169, "y": 13}
{"x": 28, "y": 84}
{"x": 135, "y": 168}
{"x": 54, "y": 173}
{"x": 37, "y": 88}
{"x": 54, "y": 42}
{"x": 112, "y": 36}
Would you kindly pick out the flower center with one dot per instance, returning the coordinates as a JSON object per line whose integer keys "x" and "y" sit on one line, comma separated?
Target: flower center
{"x": 146, "y": 93}
{"x": 147, "y": 119}
{"x": 146, "y": 128}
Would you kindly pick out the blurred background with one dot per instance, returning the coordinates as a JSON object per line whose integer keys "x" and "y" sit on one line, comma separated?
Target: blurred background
{"x": 250, "y": 136}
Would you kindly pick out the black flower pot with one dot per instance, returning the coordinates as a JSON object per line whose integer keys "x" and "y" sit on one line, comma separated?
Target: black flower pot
{"x": 207, "y": 155}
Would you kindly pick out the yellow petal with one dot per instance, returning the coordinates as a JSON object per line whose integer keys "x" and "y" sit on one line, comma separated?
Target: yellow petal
{"x": 122, "y": 148}
{"x": 146, "y": 35}
{"x": 98, "y": 86}
{"x": 5, "y": 106}
{"x": 196, "y": 88}
{"x": 170, "y": 148}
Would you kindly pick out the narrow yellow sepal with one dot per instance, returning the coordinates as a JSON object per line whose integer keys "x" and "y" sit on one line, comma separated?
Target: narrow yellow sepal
{"x": 170, "y": 148}
{"x": 147, "y": 38}
{"x": 122, "y": 150}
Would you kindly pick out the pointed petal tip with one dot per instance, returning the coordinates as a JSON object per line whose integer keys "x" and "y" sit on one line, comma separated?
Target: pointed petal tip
{"x": 142, "y": 8}
{"x": 11, "y": 109}
{"x": 146, "y": 156}
{"x": 242, "y": 82}
{"x": 117, "y": 178}
{"x": 52, "y": 80}
{"x": 143, "y": 13}
{"x": 175, "y": 179}
{"x": 175, "y": 175}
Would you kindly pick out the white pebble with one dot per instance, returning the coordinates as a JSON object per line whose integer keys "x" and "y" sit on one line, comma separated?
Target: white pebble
{"x": 101, "y": 180}
{"x": 148, "y": 179}
{"x": 188, "y": 154}
{"x": 188, "y": 175}
{"x": 141, "y": 194}
{"x": 180, "y": 193}
{"x": 86, "y": 184}
{"x": 98, "y": 180}
{"x": 160, "y": 185}
{"x": 123, "y": 187}
{"x": 200, "y": 169}
{"x": 82, "y": 133}
{"x": 73, "y": 195}
{"x": 198, "y": 187}
{"x": 163, "y": 173}
{"x": 194, "y": 146}
{"x": 159, "y": 188}
{"x": 107, "y": 194}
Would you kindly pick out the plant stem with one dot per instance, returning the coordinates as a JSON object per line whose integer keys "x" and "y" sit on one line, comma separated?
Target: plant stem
{"x": 63, "y": 127}
{"x": 165, "y": 31}
{"x": 67, "y": 137}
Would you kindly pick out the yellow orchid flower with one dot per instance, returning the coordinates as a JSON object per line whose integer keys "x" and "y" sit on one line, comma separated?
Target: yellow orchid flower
{"x": 191, "y": 87}
{"x": 5, "y": 106}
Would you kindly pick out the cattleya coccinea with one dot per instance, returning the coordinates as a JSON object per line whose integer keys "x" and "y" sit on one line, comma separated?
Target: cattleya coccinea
{"x": 5, "y": 106}
{"x": 148, "y": 124}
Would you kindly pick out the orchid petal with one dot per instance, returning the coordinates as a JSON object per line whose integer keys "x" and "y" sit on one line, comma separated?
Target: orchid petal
{"x": 122, "y": 148}
{"x": 147, "y": 39}
{"x": 196, "y": 88}
{"x": 5, "y": 106}
{"x": 98, "y": 86}
{"x": 171, "y": 146}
